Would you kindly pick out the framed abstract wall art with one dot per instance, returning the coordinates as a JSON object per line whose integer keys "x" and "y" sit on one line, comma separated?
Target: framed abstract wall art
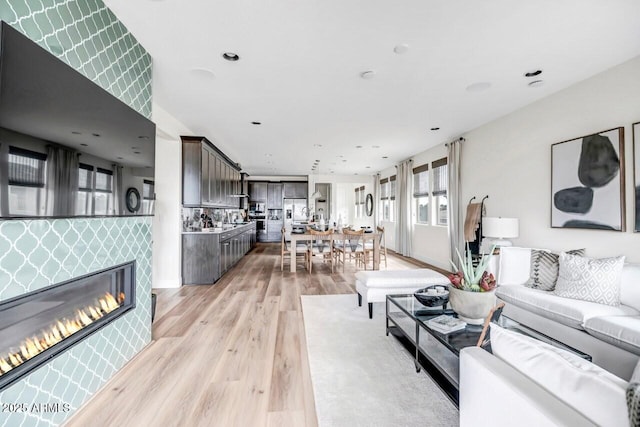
{"x": 636, "y": 173}
{"x": 587, "y": 182}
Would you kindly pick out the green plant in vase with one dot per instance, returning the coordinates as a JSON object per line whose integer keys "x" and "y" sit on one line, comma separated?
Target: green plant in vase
{"x": 470, "y": 278}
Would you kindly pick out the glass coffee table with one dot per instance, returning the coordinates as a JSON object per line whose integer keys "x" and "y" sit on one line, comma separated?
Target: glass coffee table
{"x": 439, "y": 353}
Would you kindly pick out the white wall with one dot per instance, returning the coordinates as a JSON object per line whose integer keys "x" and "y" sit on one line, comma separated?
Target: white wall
{"x": 342, "y": 196}
{"x": 168, "y": 182}
{"x": 509, "y": 160}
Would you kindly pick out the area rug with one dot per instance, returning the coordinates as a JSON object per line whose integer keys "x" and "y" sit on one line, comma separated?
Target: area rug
{"x": 361, "y": 377}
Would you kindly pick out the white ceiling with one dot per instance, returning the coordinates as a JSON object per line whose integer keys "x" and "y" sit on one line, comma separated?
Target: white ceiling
{"x": 299, "y": 72}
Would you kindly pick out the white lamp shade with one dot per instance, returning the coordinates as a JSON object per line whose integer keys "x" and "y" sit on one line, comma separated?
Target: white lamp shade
{"x": 500, "y": 228}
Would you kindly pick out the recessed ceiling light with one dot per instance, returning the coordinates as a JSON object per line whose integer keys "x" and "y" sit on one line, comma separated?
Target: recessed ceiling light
{"x": 344, "y": 161}
{"x": 368, "y": 167}
{"x": 340, "y": 156}
{"x": 84, "y": 145}
{"x": 478, "y": 87}
{"x": 230, "y": 56}
{"x": 75, "y": 132}
{"x": 317, "y": 145}
{"x": 436, "y": 128}
{"x": 533, "y": 73}
{"x": 136, "y": 152}
{"x": 358, "y": 146}
{"x": 356, "y": 173}
{"x": 120, "y": 158}
{"x": 203, "y": 72}
{"x": 97, "y": 135}
{"x": 331, "y": 171}
{"x": 401, "y": 48}
{"x": 135, "y": 148}
{"x": 536, "y": 83}
{"x": 256, "y": 123}
{"x": 317, "y": 161}
{"x": 385, "y": 157}
{"x": 143, "y": 137}
{"x": 367, "y": 75}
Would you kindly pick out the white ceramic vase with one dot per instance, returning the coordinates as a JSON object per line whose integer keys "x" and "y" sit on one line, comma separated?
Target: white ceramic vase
{"x": 472, "y": 307}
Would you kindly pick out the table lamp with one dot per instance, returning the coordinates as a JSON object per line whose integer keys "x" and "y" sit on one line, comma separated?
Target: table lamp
{"x": 497, "y": 230}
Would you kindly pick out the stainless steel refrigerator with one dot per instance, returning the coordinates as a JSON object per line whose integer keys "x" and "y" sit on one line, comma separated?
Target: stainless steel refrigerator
{"x": 295, "y": 210}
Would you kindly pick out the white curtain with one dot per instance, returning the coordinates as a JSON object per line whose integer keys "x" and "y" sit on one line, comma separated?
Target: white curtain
{"x": 118, "y": 196}
{"x": 376, "y": 200}
{"x": 456, "y": 221}
{"x": 404, "y": 195}
{"x": 62, "y": 181}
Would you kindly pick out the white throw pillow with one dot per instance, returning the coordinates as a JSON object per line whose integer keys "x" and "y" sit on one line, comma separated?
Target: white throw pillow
{"x": 515, "y": 264}
{"x": 590, "y": 279}
{"x": 586, "y": 387}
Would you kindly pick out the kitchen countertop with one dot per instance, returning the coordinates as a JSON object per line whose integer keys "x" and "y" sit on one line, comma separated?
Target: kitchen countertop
{"x": 219, "y": 230}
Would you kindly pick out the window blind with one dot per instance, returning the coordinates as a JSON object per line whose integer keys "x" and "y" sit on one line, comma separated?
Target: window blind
{"x": 26, "y": 167}
{"x": 421, "y": 181}
{"x": 392, "y": 187}
{"x": 85, "y": 177}
{"x": 104, "y": 179}
{"x": 440, "y": 178}
{"x": 148, "y": 189}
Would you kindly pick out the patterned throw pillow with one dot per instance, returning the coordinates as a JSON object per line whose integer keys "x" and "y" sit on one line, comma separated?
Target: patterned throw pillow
{"x": 633, "y": 404}
{"x": 544, "y": 269}
{"x": 589, "y": 279}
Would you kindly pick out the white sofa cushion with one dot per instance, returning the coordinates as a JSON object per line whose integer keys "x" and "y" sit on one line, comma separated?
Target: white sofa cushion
{"x": 630, "y": 285}
{"x": 400, "y": 278}
{"x": 514, "y": 265}
{"x": 583, "y": 385}
{"x": 621, "y": 331}
{"x": 590, "y": 279}
{"x": 569, "y": 312}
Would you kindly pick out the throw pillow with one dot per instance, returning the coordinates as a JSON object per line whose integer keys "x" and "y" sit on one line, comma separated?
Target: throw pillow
{"x": 633, "y": 404}
{"x": 597, "y": 394}
{"x": 544, "y": 269}
{"x": 590, "y": 279}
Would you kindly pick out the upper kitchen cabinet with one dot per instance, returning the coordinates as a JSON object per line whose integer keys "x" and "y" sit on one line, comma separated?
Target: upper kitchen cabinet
{"x": 209, "y": 177}
{"x": 258, "y": 191}
{"x": 274, "y": 196}
{"x": 295, "y": 190}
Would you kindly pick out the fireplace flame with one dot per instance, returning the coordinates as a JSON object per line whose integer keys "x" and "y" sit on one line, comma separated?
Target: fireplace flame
{"x": 59, "y": 330}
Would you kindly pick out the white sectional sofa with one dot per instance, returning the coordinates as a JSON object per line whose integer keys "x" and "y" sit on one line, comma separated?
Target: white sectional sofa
{"x": 609, "y": 334}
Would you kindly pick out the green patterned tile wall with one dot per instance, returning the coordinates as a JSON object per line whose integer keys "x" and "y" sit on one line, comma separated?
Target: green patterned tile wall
{"x": 89, "y": 37}
{"x": 38, "y": 253}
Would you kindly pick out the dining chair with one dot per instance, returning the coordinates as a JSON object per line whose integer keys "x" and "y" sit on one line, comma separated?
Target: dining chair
{"x": 368, "y": 247}
{"x": 301, "y": 250}
{"x": 351, "y": 246}
{"x": 321, "y": 244}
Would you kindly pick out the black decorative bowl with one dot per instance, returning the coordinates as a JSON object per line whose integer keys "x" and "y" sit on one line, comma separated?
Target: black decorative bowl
{"x": 432, "y": 300}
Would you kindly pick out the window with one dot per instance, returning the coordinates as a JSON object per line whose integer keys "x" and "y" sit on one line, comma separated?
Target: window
{"x": 148, "y": 195}
{"x": 27, "y": 171}
{"x": 85, "y": 189}
{"x": 103, "y": 197}
{"x": 384, "y": 199}
{"x": 392, "y": 198}
{"x": 359, "y": 202}
{"x": 421, "y": 193}
{"x": 440, "y": 186}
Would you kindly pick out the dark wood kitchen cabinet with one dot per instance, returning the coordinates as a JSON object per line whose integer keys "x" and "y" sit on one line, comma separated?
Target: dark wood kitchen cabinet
{"x": 274, "y": 195}
{"x": 209, "y": 177}
{"x": 295, "y": 190}
{"x": 258, "y": 191}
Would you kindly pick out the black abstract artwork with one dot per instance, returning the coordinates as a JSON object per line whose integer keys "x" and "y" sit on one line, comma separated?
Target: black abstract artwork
{"x": 636, "y": 168}
{"x": 587, "y": 182}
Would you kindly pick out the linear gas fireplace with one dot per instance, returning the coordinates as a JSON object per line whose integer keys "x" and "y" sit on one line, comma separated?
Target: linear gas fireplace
{"x": 40, "y": 325}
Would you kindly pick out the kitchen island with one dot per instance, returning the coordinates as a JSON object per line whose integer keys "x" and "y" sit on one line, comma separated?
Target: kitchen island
{"x": 209, "y": 253}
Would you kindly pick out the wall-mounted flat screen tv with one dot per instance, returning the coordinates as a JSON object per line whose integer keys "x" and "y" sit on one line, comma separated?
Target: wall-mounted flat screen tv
{"x": 67, "y": 146}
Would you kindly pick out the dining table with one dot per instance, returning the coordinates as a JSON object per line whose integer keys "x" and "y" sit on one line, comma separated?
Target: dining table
{"x": 307, "y": 237}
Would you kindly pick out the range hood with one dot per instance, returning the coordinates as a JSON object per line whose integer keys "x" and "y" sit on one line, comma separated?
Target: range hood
{"x": 243, "y": 189}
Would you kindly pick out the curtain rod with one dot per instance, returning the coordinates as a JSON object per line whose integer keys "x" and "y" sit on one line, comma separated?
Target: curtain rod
{"x": 461, "y": 139}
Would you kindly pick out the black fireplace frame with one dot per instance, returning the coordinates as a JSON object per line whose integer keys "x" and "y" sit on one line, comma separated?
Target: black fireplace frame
{"x": 59, "y": 348}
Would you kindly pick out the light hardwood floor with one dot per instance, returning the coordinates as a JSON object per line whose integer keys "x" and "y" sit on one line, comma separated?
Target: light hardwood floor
{"x": 232, "y": 354}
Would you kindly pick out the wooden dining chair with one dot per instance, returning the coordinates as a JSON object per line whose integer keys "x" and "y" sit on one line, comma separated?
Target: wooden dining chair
{"x": 301, "y": 250}
{"x": 368, "y": 247}
{"x": 321, "y": 244}
{"x": 351, "y": 247}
